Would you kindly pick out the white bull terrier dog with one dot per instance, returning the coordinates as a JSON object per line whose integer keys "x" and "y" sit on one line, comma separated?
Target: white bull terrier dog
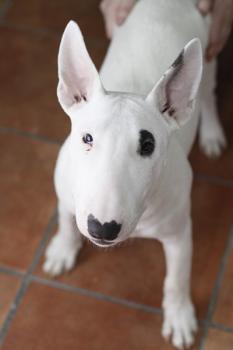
{"x": 123, "y": 171}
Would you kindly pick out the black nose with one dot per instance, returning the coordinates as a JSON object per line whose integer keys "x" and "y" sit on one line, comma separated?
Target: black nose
{"x": 108, "y": 231}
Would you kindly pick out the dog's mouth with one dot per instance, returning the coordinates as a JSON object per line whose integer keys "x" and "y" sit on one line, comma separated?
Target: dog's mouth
{"x": 103, "y": 243}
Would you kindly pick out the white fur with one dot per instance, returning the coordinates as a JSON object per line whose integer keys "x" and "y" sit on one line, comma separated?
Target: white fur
{"x": 148, "y": 196}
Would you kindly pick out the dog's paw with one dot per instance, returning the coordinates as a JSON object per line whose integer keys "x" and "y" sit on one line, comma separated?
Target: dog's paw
{"x": 60, "y": 255}
{"x": 180, "y": 325}
{"x": 213, "y": 141}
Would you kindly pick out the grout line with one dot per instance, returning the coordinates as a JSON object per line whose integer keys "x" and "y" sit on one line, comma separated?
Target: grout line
{"x": 27, "y": 134}
{"x": 11, "y": 271}
{"x": 43, "y": 243}
{"x": 4, "y": 9}
{"x": 96, "y": 295}
{"x": 221, "y": 327}
{"x": 25, "y": 281}
{"x": 216, "y": 288}
{"x": 100, "y": 296}
{"x": 214, "y": 180}
{"x": 14, "y": 306}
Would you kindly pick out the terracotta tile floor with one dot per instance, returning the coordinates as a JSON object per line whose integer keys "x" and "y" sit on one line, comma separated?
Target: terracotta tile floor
{"x": 112, "y": 298}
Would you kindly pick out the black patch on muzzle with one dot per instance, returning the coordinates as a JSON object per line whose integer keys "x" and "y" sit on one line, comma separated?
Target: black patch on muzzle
{"x": 107, "y": 231}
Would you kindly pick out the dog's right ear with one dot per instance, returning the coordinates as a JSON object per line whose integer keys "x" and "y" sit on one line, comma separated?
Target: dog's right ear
{"x": 174, "y": 94}
{"x": 78, "y": 77}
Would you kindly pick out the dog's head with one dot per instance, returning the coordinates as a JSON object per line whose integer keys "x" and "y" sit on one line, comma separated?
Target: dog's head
{"x": 118, "y": 141}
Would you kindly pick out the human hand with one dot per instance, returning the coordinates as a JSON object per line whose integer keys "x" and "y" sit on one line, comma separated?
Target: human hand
{"x": 220, "y": 29}
{"x": 115, "y": 13}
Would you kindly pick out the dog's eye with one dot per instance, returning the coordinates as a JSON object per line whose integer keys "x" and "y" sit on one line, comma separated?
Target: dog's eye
{"x": 146, "y": 143}
{"x": 87, "y": 138}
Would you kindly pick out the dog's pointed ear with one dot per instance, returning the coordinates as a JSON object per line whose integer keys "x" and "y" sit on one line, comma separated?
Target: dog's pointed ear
{"x": 175, "y": 92}
{"x": 78, "y": 77}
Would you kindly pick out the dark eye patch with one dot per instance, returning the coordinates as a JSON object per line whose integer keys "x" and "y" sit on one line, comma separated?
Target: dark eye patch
{"x": 146, "y": 143}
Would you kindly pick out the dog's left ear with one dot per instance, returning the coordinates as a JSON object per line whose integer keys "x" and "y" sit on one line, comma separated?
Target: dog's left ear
{"x": 78, "y": 78}
{"x": 175, "y": 92}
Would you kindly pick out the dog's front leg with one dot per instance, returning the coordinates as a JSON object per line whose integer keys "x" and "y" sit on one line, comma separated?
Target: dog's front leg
{"x": 64, "y": 246}
{"x": 179, "y": 316}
